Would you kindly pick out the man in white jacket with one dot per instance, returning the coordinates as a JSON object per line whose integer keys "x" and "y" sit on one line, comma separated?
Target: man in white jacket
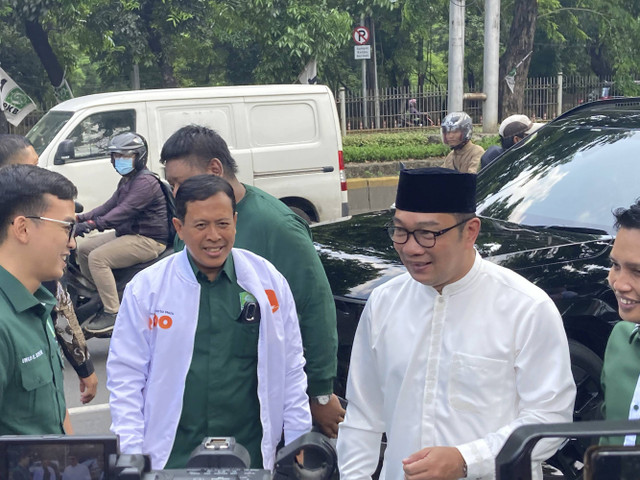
{"x": 207, "y": 343}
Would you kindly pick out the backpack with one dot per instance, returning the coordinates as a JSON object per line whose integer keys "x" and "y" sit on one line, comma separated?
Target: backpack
{"x": 171, "y": 207}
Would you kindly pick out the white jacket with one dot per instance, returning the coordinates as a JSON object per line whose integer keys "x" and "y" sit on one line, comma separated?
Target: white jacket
{"x": 152, "y": 345}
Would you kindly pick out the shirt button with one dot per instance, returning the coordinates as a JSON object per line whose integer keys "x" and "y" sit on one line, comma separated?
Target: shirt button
{"x": 636, "y": 407}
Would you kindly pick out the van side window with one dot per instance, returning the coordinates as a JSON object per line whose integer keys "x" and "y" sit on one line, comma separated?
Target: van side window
{"x": 296, "y": 123}
{"x": 91, "y": 136}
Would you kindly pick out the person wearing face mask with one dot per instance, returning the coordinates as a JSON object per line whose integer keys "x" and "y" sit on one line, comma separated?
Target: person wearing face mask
{"x": 136, "y": 217}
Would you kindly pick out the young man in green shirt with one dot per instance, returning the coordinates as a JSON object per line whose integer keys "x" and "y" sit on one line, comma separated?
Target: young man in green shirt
{"x": 14, "y": 150}
{"x": 267, "y": 227}
{"x": 37, "y": 215}
{"x": 621, "y": 370}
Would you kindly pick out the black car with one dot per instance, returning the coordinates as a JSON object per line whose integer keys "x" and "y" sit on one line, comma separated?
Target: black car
{"x": 546, "y": 209}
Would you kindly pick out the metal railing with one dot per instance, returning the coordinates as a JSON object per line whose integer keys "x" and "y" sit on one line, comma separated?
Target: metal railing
{"x": 545, "y": 98}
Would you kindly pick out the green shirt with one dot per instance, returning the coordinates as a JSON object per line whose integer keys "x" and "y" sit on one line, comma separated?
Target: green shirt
{"x": 620, "y": 374}
{"x": 221, "y": 389}
{"x": 267, "y": 227}
{"x": 31, "y": 384}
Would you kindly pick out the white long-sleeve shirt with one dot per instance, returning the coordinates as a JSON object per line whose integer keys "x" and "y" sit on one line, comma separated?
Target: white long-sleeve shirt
{"x": 463, "y": 368}
{"x": 152, "y": 346}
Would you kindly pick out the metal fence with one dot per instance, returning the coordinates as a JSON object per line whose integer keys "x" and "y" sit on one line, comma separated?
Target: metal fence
{"x": 545, "y": 98}
{"x": 26, "y": 124}
{"x": 390, "y": 109}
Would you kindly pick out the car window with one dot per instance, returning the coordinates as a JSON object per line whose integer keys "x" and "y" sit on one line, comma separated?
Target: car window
{"x": 47, "y": 127}
{"x": 573, "y": 177}
{"x": 91, "y": 136}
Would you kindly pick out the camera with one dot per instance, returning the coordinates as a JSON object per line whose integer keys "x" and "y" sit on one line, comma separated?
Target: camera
{"x": 60, "y": 457}
{"x": 513, "y": 462}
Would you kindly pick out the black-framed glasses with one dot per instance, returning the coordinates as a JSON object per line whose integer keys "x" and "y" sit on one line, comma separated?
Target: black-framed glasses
{"x": 424, "y": 238}
{"x": 70, "y": 227}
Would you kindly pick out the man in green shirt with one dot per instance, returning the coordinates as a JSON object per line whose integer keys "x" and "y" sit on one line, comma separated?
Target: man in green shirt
{"x": 267, "y": 227}
{"x": 16, "y": 149}
{"x": 621, "y": 370}
{"x": 36, "y": 237}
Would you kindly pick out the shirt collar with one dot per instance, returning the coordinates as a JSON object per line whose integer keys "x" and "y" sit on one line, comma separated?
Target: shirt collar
{"x": 634, "y": 333}
{"x": 22, "y": 299}
{"x": 228, "y": 270}
{"x": 467, "y": 280}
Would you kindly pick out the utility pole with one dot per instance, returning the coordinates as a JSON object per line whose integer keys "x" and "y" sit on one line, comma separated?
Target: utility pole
{"x": 135, "y": 77}
{"x": 365, "y": 118}
{"x": 491, "y": 65}
{"x": 456, "y": 55}
{"x": 376, "y": 92}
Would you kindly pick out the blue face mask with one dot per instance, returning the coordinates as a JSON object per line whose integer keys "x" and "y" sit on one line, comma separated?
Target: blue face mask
{"x": 123, "y": 165}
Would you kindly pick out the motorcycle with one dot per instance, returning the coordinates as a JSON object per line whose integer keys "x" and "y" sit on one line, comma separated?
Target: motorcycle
{"x": 83, "y": 293}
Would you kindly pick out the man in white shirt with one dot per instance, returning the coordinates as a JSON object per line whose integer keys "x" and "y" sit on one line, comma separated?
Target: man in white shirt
{"x": 451, "y": 357}
{"x": 75, "y": 470}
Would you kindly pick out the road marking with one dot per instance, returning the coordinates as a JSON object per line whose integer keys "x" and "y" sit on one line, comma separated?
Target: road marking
{"x": 103, "y": 407}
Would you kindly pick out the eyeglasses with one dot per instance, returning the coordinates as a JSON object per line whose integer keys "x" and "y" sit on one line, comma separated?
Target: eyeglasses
{"x": 70, "y": 227}
{"x": 424, "y": 238}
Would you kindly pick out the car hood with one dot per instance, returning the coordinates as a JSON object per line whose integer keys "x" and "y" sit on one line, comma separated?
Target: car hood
{"x": 358, "y": 256}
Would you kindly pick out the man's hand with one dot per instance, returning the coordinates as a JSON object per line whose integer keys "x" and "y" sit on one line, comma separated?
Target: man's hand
{"x": 434, "y": 463}
{"x": 88, "y": 387}
{"x": 328, "y": 416}
{"x": 68, "y": 429}
{"x": 84, "y": 227}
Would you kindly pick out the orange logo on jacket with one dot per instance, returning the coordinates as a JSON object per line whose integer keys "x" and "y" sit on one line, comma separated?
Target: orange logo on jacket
{"x": 164, "y": 322}
{"x": 273, "y": 300}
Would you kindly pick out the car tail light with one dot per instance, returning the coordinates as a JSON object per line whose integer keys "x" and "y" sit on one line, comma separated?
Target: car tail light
{"x": 343, "y": 175}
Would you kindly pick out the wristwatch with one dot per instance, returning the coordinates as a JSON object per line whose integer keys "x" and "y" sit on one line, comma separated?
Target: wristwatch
{"x": 321, "y": 399}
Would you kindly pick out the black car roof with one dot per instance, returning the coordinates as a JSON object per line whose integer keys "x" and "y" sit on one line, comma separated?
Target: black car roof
{"x": 612, "y": 113}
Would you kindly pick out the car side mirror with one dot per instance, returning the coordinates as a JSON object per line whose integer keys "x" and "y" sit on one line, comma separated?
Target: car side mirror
{"x": 66, "y": 151}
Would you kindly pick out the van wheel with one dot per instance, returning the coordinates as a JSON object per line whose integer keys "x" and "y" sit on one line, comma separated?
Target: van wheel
{"x": 301, "y": 213}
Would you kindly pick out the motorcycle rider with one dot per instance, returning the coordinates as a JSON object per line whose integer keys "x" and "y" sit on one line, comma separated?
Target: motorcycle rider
{"x": 136, "y": 212}
{"x": 464, "y": 156}
{"x": 414, "y": 117}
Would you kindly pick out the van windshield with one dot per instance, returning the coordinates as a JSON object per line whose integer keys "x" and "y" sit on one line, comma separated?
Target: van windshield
{"x": 43, "y": 132}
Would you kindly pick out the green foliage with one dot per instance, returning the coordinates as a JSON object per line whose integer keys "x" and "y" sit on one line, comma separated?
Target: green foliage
{"x": 215, "y": 42}
{"x": 379, "y": 147}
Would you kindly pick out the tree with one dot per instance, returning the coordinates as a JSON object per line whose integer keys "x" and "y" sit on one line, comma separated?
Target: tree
{"x": 38, "y": 22}
{"x": 517, "y": 56}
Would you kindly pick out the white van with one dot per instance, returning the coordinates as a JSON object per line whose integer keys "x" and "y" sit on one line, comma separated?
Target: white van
{"x": 285, "y": 138}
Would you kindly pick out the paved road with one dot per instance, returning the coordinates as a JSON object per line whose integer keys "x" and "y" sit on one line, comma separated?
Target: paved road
{"x": 93, "y": 418}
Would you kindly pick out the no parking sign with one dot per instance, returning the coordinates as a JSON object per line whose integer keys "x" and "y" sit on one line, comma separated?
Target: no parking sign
{"x": 361, "y": 35}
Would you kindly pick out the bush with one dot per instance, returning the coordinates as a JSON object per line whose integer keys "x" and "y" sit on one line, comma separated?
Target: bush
{"x": 415, "y": 145}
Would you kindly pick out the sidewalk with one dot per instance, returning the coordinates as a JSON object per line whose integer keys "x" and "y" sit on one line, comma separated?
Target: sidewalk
{"x": 372, "y": 186}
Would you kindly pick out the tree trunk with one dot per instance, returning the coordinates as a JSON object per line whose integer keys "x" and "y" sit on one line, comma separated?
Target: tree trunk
{"x": 519, "y": 45}
{"x": 40, "y": 42}
{"x": 154, "y": 40}
{"x": 420, "y": 59}
{"x": 600, "y": 60}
